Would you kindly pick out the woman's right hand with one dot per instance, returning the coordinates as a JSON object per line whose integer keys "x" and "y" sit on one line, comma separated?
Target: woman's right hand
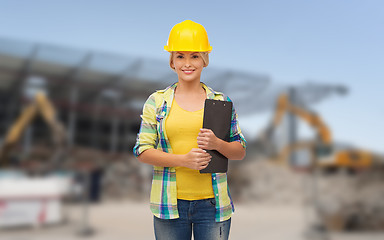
{"x": 197, "y": 159}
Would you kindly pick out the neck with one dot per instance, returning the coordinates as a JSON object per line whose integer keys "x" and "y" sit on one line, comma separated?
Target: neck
{"x": 189, "y": 87}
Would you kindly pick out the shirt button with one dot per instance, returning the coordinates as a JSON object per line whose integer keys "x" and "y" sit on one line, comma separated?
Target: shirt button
{"x": 217, "y": 194}
{"x": 214, "y": 178}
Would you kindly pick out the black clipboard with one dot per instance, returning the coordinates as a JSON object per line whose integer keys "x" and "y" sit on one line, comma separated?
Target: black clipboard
{"x": 217, "y": 117}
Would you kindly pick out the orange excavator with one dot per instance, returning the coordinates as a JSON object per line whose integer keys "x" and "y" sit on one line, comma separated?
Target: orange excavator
{"x": 323, "y": 156}
{"x": 322, "y": 150}
{"x": 40, "y": 105}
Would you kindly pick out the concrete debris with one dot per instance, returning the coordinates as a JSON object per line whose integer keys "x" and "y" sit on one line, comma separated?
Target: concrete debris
{"x": 126, "y": 178}
{"x": 347, "y": 200}
{"x": 353, "y": 200}
{"x": 266, "y": 182}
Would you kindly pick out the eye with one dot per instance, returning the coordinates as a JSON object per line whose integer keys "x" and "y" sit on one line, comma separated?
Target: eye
{"x": 179, "y": 56}
{"x": 195, "y": 56}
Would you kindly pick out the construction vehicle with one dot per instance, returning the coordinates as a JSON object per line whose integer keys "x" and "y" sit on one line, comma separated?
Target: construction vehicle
{"x": 33, "y": 200}
{"x": 324, "y": 154}
{"x": 40, "y": 105}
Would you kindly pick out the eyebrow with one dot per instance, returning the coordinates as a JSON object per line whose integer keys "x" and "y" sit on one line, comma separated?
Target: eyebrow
{"x": 183, "y": 53}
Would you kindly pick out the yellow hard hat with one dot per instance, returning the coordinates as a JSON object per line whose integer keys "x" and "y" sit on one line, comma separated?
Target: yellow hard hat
{"x": 188, "y": 36}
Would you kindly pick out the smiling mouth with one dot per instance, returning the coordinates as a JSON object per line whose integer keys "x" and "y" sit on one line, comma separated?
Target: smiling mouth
{"x": 188, "y": 71}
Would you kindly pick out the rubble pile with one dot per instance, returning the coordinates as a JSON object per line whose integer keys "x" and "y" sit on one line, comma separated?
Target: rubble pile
{"x": 265, "y": 181}
{"x": 346, "y": 200}
{"x": 125, "y": 177}
{"x": 353, "y": 201}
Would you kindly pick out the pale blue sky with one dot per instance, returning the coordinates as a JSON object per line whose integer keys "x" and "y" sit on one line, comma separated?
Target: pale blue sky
{"x": 291, "y": 41}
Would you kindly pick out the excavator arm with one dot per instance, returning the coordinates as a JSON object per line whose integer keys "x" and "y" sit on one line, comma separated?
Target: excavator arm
{"x": 49, "y": 115}
{"x": 40, "y": 105}
{"x": 321, "y": 148}
{"x": 324, "y": 137}
{"x": 284, "y": 105}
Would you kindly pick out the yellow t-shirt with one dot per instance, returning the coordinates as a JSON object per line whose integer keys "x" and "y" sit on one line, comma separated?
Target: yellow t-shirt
{"x": 182, "y": 129}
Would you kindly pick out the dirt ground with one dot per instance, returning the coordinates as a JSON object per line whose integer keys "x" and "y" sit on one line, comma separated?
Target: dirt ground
{"x": 133, "y": 220}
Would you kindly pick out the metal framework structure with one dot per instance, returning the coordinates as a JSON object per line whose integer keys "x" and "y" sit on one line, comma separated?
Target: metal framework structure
{"x": 99, "y": 96}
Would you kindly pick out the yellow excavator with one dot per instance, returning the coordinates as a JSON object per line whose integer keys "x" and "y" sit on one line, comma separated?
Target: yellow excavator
{"x": 322, "y": 150}
{"x": 40, "y": 105}
{"x": 324, "y": 156}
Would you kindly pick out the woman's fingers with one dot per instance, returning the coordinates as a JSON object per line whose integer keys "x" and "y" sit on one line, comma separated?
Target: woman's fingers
{"x": 199, "y": 158}
{"x": 200, "y": 152}
{"x": 204, "y": 165}
{"x": 206, "y": 161}
{"x": 206, "y": 139}
{"x": 205, "y": 158}
{"x": 202, "y": 140}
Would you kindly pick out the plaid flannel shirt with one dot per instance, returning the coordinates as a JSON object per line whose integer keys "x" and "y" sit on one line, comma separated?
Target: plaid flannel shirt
{"x": 152, "y": 134}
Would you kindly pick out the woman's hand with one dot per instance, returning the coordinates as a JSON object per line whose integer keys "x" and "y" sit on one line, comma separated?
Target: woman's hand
{"x": 207, "y": 140}
{"x": 197, "y": 159}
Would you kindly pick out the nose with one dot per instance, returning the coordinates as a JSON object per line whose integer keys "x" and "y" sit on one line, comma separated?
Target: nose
{"x": 187, "y": 62}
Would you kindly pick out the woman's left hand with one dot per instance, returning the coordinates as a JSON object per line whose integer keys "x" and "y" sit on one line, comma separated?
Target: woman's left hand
{"x": 207, "y": 139}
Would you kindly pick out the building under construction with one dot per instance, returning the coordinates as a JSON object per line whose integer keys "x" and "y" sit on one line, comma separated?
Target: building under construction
{"x": 97, "y": 96}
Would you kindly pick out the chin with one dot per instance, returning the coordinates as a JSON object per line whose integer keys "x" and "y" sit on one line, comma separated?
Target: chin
{"x": 190, "y": 79}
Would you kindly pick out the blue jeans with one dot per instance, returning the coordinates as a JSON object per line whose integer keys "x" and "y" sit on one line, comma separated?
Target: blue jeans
{"x": 196, "y": 216}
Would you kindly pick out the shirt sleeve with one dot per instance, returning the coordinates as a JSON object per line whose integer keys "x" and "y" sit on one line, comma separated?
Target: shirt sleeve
{"x": 147, "y": 136}
{"x": 235, "y": 133}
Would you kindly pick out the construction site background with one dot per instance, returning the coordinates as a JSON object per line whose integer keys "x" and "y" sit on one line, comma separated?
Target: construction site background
{"x": 74, "y": 76}
{"x": 340, "y": 200}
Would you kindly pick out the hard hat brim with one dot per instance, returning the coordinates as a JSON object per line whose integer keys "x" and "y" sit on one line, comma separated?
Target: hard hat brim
{"x": 168, "y": 49}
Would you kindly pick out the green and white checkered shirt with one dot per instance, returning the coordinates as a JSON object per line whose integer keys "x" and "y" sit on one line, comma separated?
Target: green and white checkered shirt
{"x": 152, "y": 134}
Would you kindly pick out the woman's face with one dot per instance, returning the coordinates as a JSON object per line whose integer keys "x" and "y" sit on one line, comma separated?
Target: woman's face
{"x": 188, "y": 65}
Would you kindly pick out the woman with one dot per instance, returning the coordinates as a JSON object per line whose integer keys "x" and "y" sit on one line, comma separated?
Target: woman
{"x": 172, "y": 139}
